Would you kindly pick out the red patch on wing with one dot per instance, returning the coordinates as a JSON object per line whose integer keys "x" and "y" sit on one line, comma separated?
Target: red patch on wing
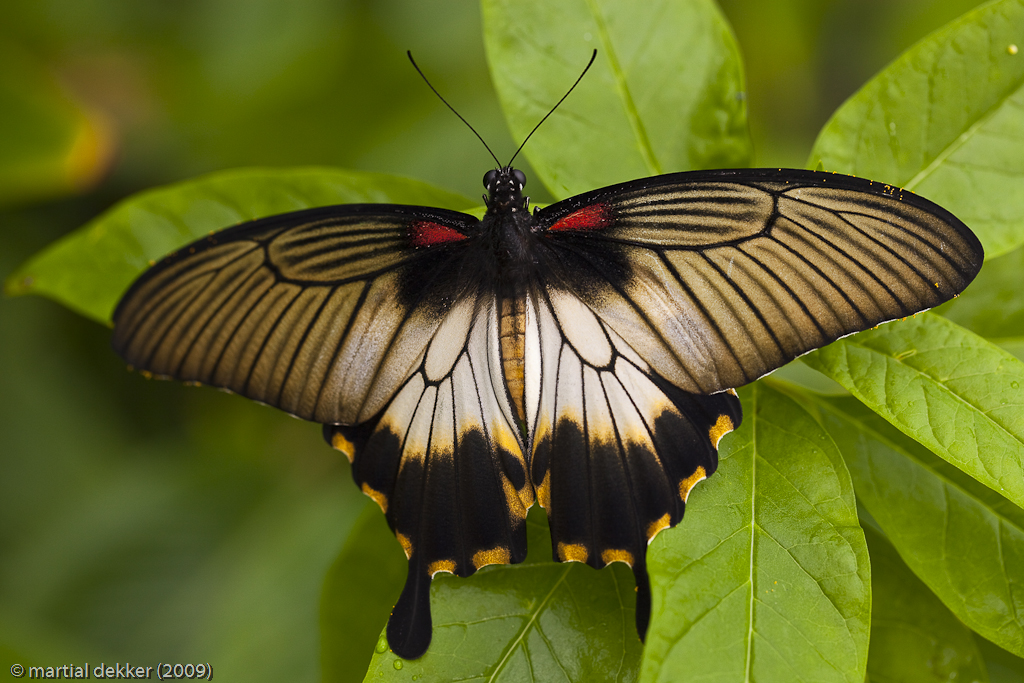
{"x": 593, "y": 217}
{"x": 427, "y": 234}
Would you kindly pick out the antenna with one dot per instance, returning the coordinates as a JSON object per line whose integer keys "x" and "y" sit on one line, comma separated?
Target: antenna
{"x": 585, "y": 70}
{"x": 415, "y": 66}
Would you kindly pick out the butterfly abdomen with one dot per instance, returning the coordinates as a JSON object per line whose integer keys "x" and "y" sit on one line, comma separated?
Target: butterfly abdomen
{"x": 512, "y": 337}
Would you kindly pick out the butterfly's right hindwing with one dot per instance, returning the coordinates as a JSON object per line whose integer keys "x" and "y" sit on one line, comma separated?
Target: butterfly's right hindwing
{"x": 615, "y": 448}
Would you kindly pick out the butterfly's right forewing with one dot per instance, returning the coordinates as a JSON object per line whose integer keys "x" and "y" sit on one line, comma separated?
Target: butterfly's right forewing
{"x": 719, "y": 277}
{"x": 660, "y": 296}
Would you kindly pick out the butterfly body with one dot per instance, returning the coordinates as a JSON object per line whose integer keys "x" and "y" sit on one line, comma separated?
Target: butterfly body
{"x": 581, "y": 356}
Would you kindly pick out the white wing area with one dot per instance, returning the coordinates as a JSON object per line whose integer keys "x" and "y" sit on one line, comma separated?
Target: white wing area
{"x": 614, "y": 448}
{"x": 446, "y": 459}
{"x": 610, "y": 449}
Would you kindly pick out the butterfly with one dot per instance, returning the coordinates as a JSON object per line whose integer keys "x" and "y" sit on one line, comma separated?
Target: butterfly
{"x": 582, "y": 356}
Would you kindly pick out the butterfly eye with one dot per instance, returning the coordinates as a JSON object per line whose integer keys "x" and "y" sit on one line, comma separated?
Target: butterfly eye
{"x": 489, "y": 179}
{"x": 520, "y": 177}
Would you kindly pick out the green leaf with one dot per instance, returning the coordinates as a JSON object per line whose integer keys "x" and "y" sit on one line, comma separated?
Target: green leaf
{"x": 914, "y": 638}
{"x": 361, "y": 587}
{"x": 963, "y": 540}
{"x": 1013, "y": 346}
{"x": 536, "y": 621}
{"x": 943, "y": 386}
{"x": 800, "y": 375}
{"x": 90, "y": 269}
{"x": 992, "y": 306}
{"x": 767, "y": 577}
{"x": 665, "y": 94}
{"x": 50, "y": 144}
{"x": 944, "y": 120}
{"x": 1002, "y": 666}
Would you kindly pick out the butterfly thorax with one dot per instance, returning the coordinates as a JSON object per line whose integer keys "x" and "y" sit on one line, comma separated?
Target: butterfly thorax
{"x": 509, "y": 226}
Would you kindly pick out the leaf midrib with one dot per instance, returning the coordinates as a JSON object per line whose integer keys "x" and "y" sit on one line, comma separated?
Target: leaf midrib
{"x": 962, "y": 139}
{"x": 632, "y": 114}
{"x": 753, "y": 534}
{"x": 529, "y": 624}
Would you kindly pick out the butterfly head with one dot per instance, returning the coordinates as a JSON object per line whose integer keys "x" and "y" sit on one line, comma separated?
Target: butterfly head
{"x": 505, "y": 189}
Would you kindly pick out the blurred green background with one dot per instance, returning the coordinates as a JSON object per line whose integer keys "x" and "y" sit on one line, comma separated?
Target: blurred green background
{"x": 146, "y": 521}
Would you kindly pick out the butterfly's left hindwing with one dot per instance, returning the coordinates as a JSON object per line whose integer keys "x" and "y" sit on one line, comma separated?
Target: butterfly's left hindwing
{"x": 446, "y": 464}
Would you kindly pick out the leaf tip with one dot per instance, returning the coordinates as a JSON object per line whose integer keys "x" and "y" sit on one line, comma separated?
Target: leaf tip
{"x": 19, "y": 284}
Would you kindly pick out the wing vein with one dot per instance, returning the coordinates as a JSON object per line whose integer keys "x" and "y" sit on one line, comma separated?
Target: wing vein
{"x": 344, "y": 336}
{"x": 202, "y": 328}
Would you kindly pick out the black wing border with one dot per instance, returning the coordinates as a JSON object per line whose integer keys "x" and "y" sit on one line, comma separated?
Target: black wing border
{"x": 795, "y": 178}
{"x": 251, "y": 229}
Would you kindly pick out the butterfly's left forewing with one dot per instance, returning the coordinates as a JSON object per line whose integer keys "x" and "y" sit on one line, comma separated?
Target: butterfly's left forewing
{"x": 359, "y": 317}
{"x": 321, "y": 313}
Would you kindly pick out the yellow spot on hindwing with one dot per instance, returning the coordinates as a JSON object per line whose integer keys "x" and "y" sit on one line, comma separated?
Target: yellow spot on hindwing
{"x": 609, "y": 556}
{"x": 572, "y": 552}
{"x": 686, "y": 484}
{"x": 526, "y": 496}
{"x": 507, "y": 441}
{"x": 441, "y": 566}
{"x": 723, "y": 425}
{"x": 512, "y": 499}
{"x": 378, "y": 497}
{"x": 657, "y": 526}
{"x": 339, "y": 442}
{"x": 499, "y": 555}
{"x": 405, "y": 543}
{"x": 731, "y": 391}
{"x": 544, "y": 491}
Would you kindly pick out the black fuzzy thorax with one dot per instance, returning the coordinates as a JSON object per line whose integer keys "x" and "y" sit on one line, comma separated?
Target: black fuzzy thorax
{"x": 510, "y": 254}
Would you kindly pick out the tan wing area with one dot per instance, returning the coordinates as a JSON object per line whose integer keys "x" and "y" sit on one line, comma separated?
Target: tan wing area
{"x": 306, "y": 317}
{"x": 728, "y": 281}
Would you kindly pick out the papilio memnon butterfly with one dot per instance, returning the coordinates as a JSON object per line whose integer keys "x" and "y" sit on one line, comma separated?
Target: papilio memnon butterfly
{"x": 582, "y": 356}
